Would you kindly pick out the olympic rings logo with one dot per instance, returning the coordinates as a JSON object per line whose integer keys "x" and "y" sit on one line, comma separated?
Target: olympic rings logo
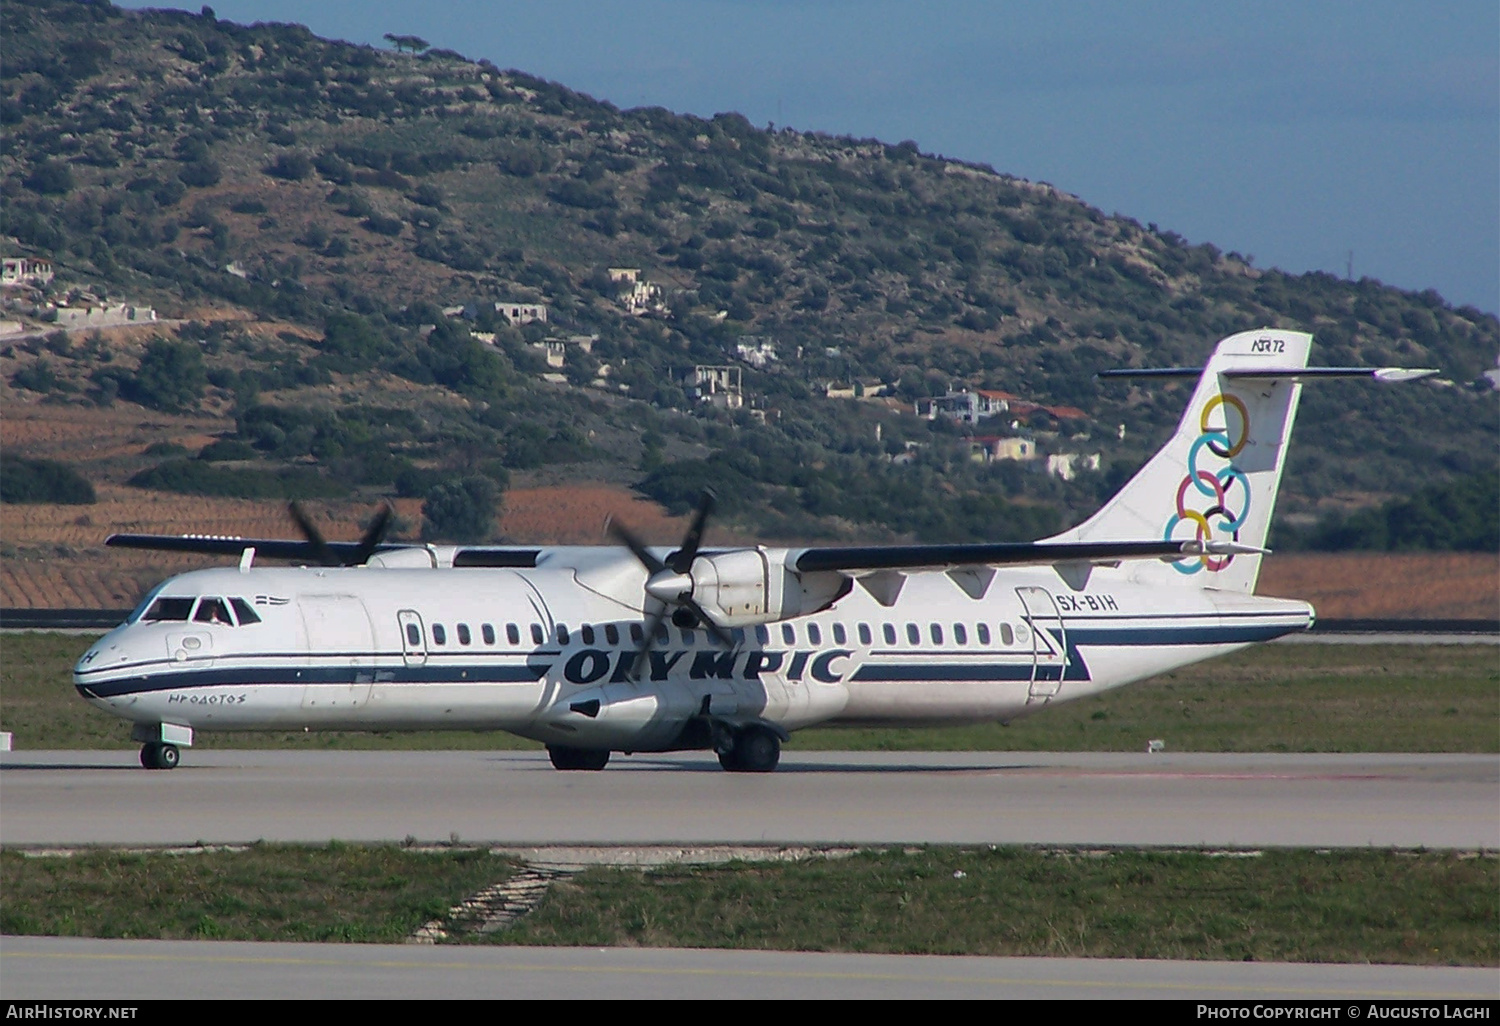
{"x": 1216, "y": 493}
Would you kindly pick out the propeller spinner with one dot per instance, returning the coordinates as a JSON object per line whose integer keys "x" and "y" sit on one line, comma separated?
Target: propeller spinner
{"x": 670, "y": 581}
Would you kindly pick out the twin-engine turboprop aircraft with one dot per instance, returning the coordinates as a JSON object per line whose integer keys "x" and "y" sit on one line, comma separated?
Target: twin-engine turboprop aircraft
{"x": 593, "y": 650}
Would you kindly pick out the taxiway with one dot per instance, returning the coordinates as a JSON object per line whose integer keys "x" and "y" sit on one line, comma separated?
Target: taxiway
{"x": 516, "y": 798}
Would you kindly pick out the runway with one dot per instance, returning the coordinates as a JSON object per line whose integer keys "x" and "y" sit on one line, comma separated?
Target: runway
{"x": 516, "y": 798}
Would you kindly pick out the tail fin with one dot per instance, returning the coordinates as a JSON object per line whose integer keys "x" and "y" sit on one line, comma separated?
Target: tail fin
{"x": 1217, "y": 477}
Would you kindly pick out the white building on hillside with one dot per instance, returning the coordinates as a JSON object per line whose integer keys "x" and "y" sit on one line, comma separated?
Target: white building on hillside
{"x": 638, "y": 296}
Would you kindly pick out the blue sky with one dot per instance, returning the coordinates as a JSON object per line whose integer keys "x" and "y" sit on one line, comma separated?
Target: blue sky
{"x": 1296, "y": 132}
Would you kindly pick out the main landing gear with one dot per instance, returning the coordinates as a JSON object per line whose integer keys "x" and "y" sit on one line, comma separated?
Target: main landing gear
{"x": 578, "y": 758}
{"x": 754, "y": 750}
{"x": 158, "y": 755}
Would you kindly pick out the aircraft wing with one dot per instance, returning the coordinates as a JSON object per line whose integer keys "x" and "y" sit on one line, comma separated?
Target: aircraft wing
{"x": 344, "y": 553}
{"x": 221, "y": 545}
{"x": 925, "y": 557}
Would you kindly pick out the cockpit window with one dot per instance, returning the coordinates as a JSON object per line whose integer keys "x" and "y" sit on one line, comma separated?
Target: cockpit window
{"x": 243, "y": 611}
{"x": 145, "y": 603}
{"x": 170, "y": 609}
{"x": 213, "y": 610}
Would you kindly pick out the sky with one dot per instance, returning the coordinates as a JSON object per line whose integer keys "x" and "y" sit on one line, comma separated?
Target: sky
{"x": 1305, "y": 134}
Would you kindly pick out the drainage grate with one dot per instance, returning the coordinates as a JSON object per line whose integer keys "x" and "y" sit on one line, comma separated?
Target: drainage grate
{"x": 494, "y": 908}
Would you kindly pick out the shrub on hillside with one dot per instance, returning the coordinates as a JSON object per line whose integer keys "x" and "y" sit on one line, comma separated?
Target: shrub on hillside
{"x": 199, "y": 477}
{"x": 171, "y": 377}
{"x": 462, "y": 510}
{"x": 24, "y": 480}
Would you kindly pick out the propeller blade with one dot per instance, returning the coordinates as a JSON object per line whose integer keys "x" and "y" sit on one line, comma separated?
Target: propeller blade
{"x": 651, "y": 627}
{"x": 312, "y": 534}
{"x": 719, "y": 633}
{"x": 373, "y": 535}
{"x": 631, "y": 542}
{"x": 682, "y": 560}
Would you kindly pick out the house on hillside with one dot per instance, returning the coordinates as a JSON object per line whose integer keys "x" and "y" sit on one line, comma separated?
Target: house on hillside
{"x": 756, "y": 350}
{"x": 637, "y": 296}
{"x": 522, "y": 313}
{"x": 989, "y": 448}
{"x": 101, "y": 316}
{"x": 1068, "y": 465}
{"x": 25, "y": 271}
{"x": 716, "y": 386}
{"x": 555, "y": 350}
{"x": 864, "y": 388}
{"x": 965, "y": 406}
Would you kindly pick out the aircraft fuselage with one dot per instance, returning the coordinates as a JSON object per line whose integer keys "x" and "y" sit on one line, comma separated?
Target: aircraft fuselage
{"x": 533, "y": 653}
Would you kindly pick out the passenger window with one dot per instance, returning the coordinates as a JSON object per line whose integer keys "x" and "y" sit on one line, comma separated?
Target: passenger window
{"x": 1007, "y": 636}
{"x": 588, "y": 634}
{"x": 464, "y": 637}
{"x": 562, "y": 634}
{"x": 612, "y": 634}
{"x": 865, "y": 637}
{"x": 913, "y": 634}
{"x": 537, "y": 637}
{"x": 413, "y": 636}
{"x": 687, "y": 637}
{"x": 788, "y": 635}
{"x": 637, "y": 633}
{"x": 243, "y": 612}
{"x": 663, "y": 634}
{"x": 960, "y": 636}
{"x": 487, "y": 631}
{"x": 984, "y": 633}
{"x": 840, "y": 636}
{"x": 762, "y": 635}
{"x": 512, "y": 634}
{"x": 888, "y": 631}
{"x": 439, "y": 635}
{"x": 937, "y": 634}
{"x": 814, "y": 634}
{"x": 169, "y": 609}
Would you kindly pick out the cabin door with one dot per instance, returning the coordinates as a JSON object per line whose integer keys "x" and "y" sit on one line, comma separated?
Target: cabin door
{"x": 413, "y": 637}
{"x": 1049, "y": 643}
{"x": 341, "y": 641}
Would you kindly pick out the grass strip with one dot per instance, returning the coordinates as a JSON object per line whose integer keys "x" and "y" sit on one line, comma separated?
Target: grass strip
{"x": 1299, "y": 906}
{"x": 1267, "y": 698}
{"x": 1418, "y": 908}
{"x": 267, "y": 892}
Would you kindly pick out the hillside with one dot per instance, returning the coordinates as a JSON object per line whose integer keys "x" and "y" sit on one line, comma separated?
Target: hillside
{"x": 299, "y": 212}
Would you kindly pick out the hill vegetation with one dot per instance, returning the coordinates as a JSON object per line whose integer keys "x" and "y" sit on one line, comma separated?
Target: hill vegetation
{"x": 330, "y": 201}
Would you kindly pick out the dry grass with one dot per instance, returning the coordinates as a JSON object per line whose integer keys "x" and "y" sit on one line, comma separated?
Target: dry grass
{"x": 60, "y": 561}
{"x": 1427, "y": 585}
{"x": 575, "y": 515}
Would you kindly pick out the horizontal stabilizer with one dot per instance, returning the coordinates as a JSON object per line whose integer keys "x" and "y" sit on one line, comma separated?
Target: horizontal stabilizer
{"x": 1390, "y": 374}
{"x": 1298, "y": 374}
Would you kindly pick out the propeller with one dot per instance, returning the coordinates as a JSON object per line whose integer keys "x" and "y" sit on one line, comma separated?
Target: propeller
{"x": 361, "y": 554}
{"x": 671, "y": 582}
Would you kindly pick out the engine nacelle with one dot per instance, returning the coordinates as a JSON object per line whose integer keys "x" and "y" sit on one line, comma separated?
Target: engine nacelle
{"x": 744, "y": 587}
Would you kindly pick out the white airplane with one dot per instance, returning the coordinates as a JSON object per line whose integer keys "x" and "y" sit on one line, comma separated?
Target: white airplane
{"x": 593, "y": 650}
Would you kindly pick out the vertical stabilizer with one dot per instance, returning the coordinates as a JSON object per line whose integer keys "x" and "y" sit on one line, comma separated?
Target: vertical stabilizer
{"x": 1217, "y": 476}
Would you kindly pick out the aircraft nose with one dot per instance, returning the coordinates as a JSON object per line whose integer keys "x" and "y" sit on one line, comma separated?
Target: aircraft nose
{"x": 89, "y": 660}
